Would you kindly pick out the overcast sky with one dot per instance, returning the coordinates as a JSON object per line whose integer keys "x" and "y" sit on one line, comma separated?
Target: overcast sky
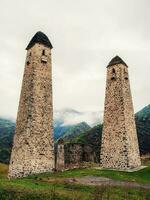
{"x": 85, "y": 35}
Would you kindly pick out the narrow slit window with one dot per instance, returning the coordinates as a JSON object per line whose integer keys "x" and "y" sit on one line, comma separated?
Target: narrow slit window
{"x": 113, "y": 74}
{"x": 125, "y": 74}
{"x": 43, "y": 57}
{"x": 43, "y": 52}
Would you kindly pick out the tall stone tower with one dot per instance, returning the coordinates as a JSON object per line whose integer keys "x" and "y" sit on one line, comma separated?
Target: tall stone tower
{"x": 119, "y": 147}
{"x": 33, "y": 146}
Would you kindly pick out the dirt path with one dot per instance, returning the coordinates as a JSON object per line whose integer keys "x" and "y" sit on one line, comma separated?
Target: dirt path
{"x": 91, "y": 180}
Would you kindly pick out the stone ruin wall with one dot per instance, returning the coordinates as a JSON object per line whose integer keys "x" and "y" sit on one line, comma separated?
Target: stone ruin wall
{"x": 74, "y": 155}
{"x": 60, "y": 156}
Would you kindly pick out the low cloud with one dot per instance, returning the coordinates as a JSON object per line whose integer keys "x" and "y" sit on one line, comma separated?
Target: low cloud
{"x": 72, "y": 117}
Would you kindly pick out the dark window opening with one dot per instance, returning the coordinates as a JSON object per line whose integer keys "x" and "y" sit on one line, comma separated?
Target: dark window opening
{"x": 44, "y": 57}
{"x": 113, "y": 74}
{"x": 125, "y": 74}
{"x": 113, "y": 71}
{"x": 43, "y": 52}
{"x": 28, "y": 62}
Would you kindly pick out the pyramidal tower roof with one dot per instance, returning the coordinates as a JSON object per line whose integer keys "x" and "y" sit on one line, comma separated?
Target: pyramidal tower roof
{"x": 116, "y": 60}
{"x": 41, "y": 38}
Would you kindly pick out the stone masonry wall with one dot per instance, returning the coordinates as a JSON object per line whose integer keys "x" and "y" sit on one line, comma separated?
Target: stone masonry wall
{"x": 78, "y": 153}
{"x": 33, "y": 146}
{"x": 60, "y": 158}
{"x": 119, "y": 148}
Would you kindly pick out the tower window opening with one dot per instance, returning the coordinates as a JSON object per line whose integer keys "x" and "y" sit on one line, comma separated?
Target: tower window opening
{"x": 44, "y": 57}
{"x": 43, "y": 52}
{"x": 113, "y": 74}
{"x": 125, "y": 74}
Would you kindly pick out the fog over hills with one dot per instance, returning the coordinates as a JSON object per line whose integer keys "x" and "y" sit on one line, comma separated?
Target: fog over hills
{"x": 70, "y": 117}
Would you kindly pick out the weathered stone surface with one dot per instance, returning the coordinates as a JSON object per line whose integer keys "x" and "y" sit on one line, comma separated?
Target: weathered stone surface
{"x": 88, "y": 154}
{"x": 60, "y": 159}
{"x": 73, "y": 153}
{"x": 33, "y": 146}
{"x": 77, "y": 153}
{"x": 119, "y": 148}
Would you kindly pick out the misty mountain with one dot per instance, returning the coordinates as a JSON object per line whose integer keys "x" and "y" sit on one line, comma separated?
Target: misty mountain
{"x": 75, "y": 131}
{"x": 67, "y": 122}
{"x": 69, "y": 117}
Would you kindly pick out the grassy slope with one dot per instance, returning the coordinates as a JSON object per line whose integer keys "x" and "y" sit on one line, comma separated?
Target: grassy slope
{"x": 53, "y": 186}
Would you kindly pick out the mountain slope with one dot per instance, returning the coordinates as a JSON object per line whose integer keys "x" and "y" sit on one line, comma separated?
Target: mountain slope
{"x": 59, "y": 129}
{"x": 7, "y": 128}
{"x": 143, "y": 129}
{"x": 75, "y": 131}
{"x": 65, "y": 120}
{"x": 144, "y": 114}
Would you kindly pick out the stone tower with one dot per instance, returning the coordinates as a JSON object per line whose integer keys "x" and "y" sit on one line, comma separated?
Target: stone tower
{"x": 119, "y": 147}
{"x": 60, "y": 159}
{"x": 33, "y": 145}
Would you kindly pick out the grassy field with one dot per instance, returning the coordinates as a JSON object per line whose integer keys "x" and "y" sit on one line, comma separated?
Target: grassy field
{"x": 50, "y": 186}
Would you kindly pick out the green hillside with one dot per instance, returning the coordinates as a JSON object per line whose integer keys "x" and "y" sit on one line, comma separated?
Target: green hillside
{"x": 75, "y": 131}
{"x": 144, "y": 113}
{"x": 7, "y": 128}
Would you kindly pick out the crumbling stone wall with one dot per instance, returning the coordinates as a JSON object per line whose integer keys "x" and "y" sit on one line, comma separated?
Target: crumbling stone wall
{"x": 60, "y": 158}
{"x": 33, "y": 146}
{"x": 119, "y": 148}
{"x": 88, "y": 154}
{"x": 78, "y": 153}
{"x": 73, "y": 153}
